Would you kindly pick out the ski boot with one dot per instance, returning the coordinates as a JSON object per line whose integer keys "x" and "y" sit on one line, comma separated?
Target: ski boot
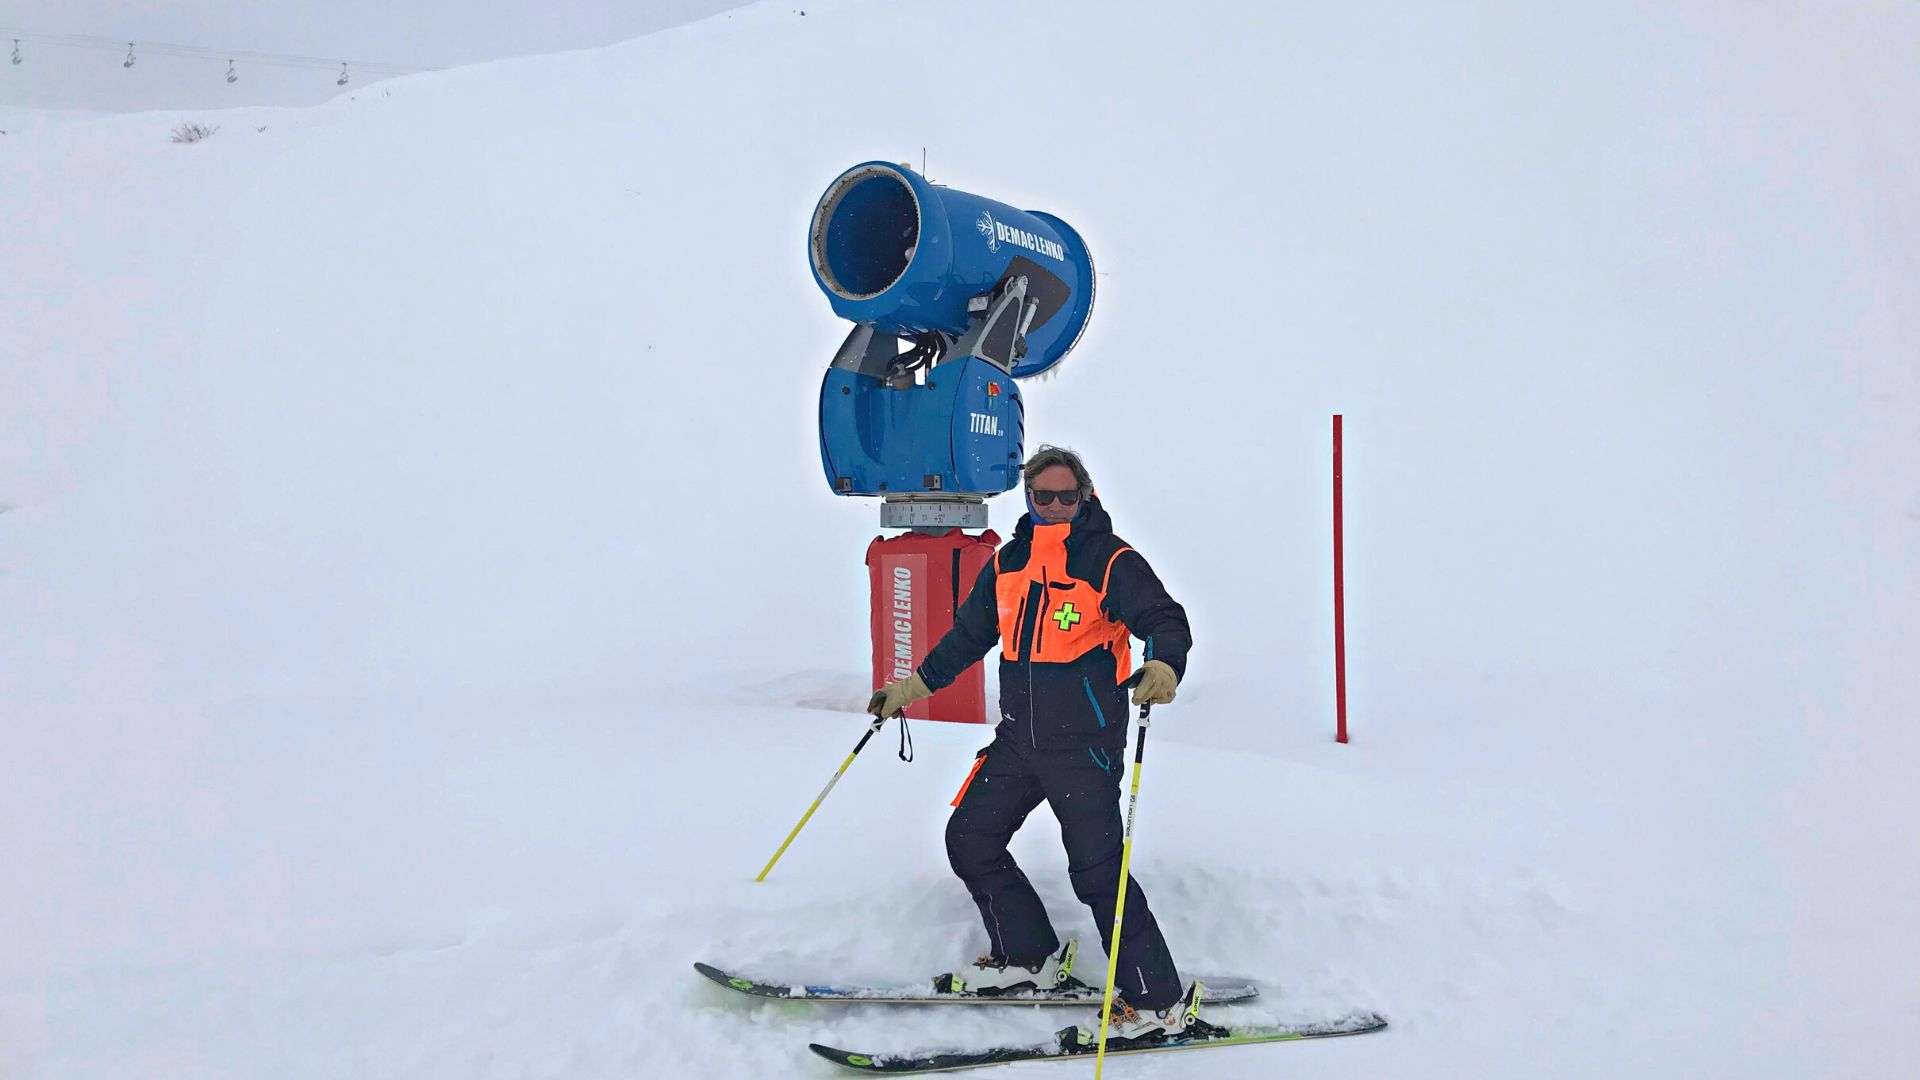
{"x": 1133, "y": 1027}
{"x": 986, "y": 978}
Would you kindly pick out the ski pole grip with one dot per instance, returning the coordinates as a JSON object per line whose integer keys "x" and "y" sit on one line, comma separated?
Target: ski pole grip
{"x": 1133, "y": 680}
{"x": 873, "y": 728}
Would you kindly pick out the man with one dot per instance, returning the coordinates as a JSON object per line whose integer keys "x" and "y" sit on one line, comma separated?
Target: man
{"x": 1060, "y": 598}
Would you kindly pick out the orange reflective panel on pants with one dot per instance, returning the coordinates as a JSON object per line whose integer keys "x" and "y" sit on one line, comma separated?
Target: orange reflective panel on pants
{"x": 968, "y": 782}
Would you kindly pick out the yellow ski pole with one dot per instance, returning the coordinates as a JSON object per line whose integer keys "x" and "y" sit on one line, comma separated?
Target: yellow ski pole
{"x": 1120, "y": 901}
{"x": 878, "y": 722}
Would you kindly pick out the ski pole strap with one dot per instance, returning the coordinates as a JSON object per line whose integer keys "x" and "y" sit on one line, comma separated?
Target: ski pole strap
{"x": 1133, "y": 680}
{"x": 906, "y": 739}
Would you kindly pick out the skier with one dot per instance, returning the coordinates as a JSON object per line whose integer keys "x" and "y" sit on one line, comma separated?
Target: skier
{"x": 1060, "y": 598}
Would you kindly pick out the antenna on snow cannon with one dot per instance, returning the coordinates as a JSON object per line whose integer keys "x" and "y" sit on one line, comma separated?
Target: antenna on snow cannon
{"x": 954, "y": 297}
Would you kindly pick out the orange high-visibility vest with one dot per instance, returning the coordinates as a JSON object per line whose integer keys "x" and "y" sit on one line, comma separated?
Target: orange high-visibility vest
{"x": 1050, "y": 617}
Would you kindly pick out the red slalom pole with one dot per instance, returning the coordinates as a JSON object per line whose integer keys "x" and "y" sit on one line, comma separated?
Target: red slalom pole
{"x": 1339, "y": 595}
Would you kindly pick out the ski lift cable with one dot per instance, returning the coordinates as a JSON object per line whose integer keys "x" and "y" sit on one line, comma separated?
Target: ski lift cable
{"x": 86, "y": 41}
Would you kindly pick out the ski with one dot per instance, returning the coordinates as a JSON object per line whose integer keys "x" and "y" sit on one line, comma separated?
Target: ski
{"x": 1218, "y": 992}
{"x": 1075, "y": 1044}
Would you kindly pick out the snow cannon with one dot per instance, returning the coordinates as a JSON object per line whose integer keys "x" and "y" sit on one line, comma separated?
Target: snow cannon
{"x": 953, "y": 296}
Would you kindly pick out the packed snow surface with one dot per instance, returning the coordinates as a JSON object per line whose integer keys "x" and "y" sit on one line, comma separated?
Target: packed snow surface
{"x": 421, "y": 613}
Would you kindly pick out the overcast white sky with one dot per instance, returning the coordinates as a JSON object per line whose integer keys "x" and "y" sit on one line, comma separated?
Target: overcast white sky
{"x": 407, "y": 33}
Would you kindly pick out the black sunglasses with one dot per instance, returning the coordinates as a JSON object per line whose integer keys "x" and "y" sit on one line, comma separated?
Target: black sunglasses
{"x": 1043, "y": 497}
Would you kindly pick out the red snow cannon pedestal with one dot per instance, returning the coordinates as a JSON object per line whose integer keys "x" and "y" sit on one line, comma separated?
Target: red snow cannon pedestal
{"x": 918, "y": 581}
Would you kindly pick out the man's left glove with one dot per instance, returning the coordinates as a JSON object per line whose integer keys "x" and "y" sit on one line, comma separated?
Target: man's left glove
{"x": 1157, "y": 681}
{"x": 893, "y": 698}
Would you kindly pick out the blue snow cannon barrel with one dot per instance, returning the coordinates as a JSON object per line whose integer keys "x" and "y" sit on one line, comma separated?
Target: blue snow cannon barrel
{"x": 897, "y": 253}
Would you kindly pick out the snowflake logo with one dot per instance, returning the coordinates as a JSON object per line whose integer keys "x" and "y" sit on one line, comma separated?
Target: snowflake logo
{"x": 985, "y": 225}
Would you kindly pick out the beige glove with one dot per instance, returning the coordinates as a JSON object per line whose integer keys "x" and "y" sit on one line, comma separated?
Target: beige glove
{"x": 893, "y": 698}
{"x": 1157, "y": 681}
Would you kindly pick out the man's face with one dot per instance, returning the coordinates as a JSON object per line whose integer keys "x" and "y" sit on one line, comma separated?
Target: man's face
{"x": 1052, "y": 481}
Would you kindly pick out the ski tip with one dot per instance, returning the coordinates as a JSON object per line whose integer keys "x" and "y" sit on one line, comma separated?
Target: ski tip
{"x": 1361, "y": 1021}
{"x": 731, "y": 982}
{"x": 846, "y": 1058}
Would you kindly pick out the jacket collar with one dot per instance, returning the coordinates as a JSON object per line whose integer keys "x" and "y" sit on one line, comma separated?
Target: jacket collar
{"x": 1091, "y": 520}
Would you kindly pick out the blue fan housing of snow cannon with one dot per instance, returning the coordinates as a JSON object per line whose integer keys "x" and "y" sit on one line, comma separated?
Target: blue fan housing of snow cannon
{"x": 984, "y": 293}
{"x": 897, "y": 253}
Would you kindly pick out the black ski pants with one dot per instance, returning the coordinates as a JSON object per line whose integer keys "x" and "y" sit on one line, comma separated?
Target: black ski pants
{"x": 1083, "y": 787}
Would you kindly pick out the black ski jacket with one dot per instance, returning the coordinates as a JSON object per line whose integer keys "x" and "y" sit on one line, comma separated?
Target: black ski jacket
{"x": 1062, "y": 701}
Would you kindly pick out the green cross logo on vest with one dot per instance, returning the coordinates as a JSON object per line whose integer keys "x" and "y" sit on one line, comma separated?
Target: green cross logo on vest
{"x": 1066, "y": 616}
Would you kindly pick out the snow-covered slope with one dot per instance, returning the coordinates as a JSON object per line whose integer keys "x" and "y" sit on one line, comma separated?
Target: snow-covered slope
{"x": 421, "y": 614}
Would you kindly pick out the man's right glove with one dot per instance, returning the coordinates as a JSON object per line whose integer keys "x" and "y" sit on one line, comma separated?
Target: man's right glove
{"x": 893, "y": 698}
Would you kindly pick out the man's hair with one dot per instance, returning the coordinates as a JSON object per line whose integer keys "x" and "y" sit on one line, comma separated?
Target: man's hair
{"x": 1048, "y": 456}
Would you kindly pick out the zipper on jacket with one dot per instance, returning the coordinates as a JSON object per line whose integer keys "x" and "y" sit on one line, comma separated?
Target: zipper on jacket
{"x": 1035, "y": 601}
{"x": 1019, "y": 620}
{"x": 1046, "y": 601}
{"x": 1099, "y": 715}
